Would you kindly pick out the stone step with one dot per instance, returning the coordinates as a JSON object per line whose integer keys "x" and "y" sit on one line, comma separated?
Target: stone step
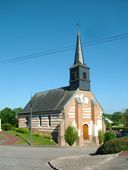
{"x": 89, "y": 143}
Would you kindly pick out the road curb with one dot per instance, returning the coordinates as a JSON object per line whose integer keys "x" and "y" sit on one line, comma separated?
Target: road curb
{"x": 89, "y": 161}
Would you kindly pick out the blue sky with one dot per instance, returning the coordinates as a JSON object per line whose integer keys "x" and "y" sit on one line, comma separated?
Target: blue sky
{"x": 32, "y": 26}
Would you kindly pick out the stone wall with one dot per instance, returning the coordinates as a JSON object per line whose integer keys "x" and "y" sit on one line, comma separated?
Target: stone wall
{"x": 83, "y": 108}
{"x": 42, "y": 122}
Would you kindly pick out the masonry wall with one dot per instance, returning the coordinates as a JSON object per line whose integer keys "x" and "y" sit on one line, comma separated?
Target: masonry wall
{"x": 83, "y": 109}
{"x": 42, "y": 122}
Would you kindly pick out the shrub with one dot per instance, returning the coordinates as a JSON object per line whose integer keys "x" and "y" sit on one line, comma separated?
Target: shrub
{"x": 22, "y": 130}
{"x": 109, "y": 135}
{"x": 101, "y": 136}
{"x": 36, "y": 133}
{"x": 120, "y": 128}
{"x": 113, "y": 146}
{"x": 7, "y": 126}
{"x": 71, "y": 135}
{"x": 43, "y": 134}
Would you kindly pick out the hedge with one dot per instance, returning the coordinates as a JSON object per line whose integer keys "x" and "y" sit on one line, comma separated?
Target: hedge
{"x": 22, "y": 130}
{"x": 113, "y": 146}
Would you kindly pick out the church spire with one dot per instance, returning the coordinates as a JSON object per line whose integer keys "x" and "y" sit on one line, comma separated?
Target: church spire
{"x": 79, "y": 72}
{"x": 79, "y": 59}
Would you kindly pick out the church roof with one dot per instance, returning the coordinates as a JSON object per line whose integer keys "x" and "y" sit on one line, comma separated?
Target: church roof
{"x": 49, "y": 101}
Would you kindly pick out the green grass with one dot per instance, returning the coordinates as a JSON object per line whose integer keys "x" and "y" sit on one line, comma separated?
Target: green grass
{"x": 24, "y": 139}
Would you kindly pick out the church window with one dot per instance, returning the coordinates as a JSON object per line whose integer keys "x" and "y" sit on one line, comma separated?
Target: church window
{"x": 84, "y": 75}
{"x": 40, "y": 121}
{"x": 49, "y": 120}
{"x": 74, "y": 76}
{"x": 27, "y": 121}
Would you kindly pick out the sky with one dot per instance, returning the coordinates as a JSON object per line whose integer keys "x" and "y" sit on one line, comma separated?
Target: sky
{"x": 31, "y": 29}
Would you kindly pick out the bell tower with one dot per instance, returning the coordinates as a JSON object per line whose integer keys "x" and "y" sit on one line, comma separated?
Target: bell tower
{"x": 79, "y": 72}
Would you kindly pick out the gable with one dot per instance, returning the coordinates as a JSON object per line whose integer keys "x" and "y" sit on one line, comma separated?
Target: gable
{"x": 82, "y": 96}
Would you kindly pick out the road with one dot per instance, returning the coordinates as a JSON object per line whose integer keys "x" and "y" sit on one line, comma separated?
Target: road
{"x": 119, "y": 163}
{"x": 35, "y": 158}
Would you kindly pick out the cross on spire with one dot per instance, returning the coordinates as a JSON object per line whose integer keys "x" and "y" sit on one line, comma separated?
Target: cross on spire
{"x": 78, "y": 27}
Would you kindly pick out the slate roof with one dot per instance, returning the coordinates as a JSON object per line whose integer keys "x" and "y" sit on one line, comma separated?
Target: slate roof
{"x": 49, "y": 101}
{"x": 79, "y": 59}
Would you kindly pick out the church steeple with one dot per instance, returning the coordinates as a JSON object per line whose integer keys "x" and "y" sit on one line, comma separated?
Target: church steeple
{"x": 79, "y": 53}
{"x": 79, "y": 72}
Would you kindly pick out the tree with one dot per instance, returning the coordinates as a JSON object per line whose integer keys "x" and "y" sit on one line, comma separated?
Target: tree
{"x": 117, "y": 118}
{"x": 109, "y": 116}
{"x": 125, "y": 118}
{"x": 7, "y": 115}
{"x": 17, "y": 110}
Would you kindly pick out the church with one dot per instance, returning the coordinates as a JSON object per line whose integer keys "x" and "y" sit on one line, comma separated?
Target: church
{"x": 54, "y": 110}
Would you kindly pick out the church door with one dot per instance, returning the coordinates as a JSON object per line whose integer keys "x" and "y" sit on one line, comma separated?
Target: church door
{"x": 85, "y": 132}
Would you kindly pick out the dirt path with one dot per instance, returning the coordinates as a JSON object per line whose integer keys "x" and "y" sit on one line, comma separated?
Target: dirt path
{"x": 7, "y": 139}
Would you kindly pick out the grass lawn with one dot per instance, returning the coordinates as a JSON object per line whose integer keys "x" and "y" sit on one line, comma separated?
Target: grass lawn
{"x": 24, "y": 139}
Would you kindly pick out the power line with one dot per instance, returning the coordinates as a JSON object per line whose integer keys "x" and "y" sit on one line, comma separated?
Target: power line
{"x": 109, "y": 39}
{"x": 49, "y": 52}
{"x": 35, "y": 55}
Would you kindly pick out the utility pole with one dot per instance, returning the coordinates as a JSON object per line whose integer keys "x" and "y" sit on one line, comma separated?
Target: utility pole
{"x": 31, "y": 122}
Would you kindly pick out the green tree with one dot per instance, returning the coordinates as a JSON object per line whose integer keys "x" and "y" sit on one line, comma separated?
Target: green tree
{"x": 7, "y": 115}
{"x": 125, "y": 118}
{"x": 117, "y": 118}
{"x": 109, "y": 116}
{"x": 17, "y": 110}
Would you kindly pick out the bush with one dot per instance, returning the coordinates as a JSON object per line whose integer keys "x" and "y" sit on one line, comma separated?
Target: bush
{"x": 114, "y": 146}
{"x": 109, "y": 135}
{"x": 71, "y": 135}
{"x": 36, "y": 133}
{"x": 101, "y": 136}
{"x": 43, "y": 134}
{"x": 7, "y": 126}
{"x": 120, "y": 128}
{"x": 22, "y": 130}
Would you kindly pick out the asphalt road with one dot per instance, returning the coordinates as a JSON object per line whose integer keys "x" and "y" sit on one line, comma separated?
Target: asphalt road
{"x": 35, "y": 158}
{"x": 119, "y": 163}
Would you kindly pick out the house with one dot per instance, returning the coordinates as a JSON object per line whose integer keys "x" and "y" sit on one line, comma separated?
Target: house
{"x": 108, "y": 120}
{"x": 54, "y": 110}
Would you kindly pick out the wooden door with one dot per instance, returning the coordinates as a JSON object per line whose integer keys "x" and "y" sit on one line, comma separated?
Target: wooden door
{"x": 85, "y": 132}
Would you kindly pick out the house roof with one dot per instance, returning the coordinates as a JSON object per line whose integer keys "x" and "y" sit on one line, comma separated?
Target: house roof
{"x": 49, "y": 101}
{"x": 108, "y": 120}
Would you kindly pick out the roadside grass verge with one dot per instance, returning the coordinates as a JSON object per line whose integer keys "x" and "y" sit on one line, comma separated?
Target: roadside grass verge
{"x": 24, "y": 139}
